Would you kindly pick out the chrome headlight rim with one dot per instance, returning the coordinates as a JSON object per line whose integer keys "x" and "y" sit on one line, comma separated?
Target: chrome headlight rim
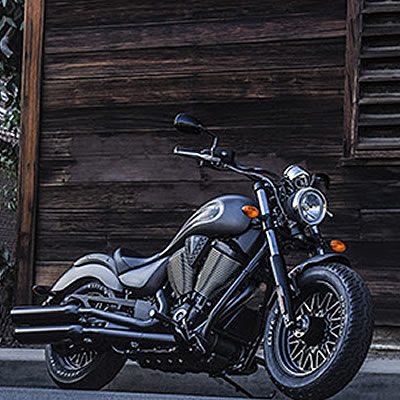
{"x": 298, "y": 204}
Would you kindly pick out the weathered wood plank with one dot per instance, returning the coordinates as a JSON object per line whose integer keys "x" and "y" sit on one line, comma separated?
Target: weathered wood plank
{"x": 133, "y": 196}
{"x": 71, "y": 246}
{"x": 30, "y": 119}
{"x": 140, "y": 168}
{"x": 212, "y": 87}
{"x": 363, "y": 193}
{"x": 373, "y": 254}
{"x": 62, "y": 14}
{"x": 306, "y": 111}
{"x": 136, "y": 195}
{"x": 381, "y": 224}
{"x": 302, "y": 140}
{"x": 148, "y": 237}
{"x": 103, "y": 222}
{"x": 299, "y": 54}
{"x": 199, "y": 33}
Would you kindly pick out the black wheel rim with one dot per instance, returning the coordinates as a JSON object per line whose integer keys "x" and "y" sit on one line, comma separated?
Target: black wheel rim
{"x": 321, "y": 317}
{"x": 77, "y": 357}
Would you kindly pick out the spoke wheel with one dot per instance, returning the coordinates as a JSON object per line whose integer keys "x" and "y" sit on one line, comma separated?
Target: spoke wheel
{"x": 334, "y": 330}
{"x": 80, "y": 365}
{"x": 321, "y": 319}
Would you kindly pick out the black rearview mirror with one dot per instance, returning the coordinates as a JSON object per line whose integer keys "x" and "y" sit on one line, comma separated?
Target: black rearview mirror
{"x": 186, "y": 124}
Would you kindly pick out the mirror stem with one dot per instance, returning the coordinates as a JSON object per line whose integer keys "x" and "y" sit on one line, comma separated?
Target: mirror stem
{"x": 215, "y": 140}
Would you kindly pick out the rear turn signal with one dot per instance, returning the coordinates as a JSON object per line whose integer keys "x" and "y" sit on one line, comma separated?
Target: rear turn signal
{"x": 250, "y": 211}
{"x": 338, "y": 246}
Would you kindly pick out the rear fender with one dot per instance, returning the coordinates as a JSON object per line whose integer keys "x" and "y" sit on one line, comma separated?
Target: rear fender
{"x": 96, "y": 271}
{"x": 318, "y": 260}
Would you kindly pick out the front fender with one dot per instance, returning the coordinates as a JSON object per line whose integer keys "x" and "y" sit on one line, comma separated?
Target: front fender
{"x": 96, "y": 271}
{"x": 318, "y": 260}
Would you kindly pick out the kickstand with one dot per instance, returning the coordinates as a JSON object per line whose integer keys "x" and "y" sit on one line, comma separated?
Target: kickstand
{"x": 243, "y": 390}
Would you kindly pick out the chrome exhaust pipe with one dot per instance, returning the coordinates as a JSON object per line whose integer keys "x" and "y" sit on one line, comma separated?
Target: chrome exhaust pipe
{"x": 55, "y": 334}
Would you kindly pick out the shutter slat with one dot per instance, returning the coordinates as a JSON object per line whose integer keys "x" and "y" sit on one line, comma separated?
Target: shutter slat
{"x": 376, "y": 99}
{"x": 381, "y": 76}
{"x": 372, "y": 53}
{"x": 381, "y": 8}
{"x": 379, "y": 120}
{"x": 379, "y": 82}
{"x": 381, "y": 30}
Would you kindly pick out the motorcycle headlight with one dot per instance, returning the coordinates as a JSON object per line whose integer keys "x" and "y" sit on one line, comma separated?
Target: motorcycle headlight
{"x": 309, "y": 205}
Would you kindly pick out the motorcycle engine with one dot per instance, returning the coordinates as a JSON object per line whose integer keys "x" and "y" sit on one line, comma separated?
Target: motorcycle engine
{"x": 198, "y": 274}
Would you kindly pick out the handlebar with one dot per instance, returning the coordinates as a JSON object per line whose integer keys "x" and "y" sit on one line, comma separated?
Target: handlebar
{"x": 203, "y": 156}
{"x": 224, "y": 159}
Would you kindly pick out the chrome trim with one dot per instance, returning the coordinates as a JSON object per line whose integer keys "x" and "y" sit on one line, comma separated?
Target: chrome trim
{"x": 297, "y": 175}
{"x": 296, "y": 204}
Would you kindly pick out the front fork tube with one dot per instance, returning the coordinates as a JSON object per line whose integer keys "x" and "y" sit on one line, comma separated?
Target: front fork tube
{"x": 276, "y": 260}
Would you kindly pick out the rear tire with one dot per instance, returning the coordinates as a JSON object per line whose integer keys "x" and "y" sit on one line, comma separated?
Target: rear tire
{"x": 83, "y": 366}
{"x": 321, "y": 358}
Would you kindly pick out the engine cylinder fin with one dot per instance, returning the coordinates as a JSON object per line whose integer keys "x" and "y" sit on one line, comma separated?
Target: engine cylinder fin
{"x": 218, "y": 270}
{"x": 181, "y": 266}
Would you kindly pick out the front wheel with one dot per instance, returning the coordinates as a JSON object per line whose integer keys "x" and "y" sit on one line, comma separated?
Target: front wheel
{"x": 334, "y": 315}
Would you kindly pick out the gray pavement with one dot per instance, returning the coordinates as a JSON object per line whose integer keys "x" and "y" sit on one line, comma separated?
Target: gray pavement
{"x": 378, "y": 379}
{"x": 10, "y": 393}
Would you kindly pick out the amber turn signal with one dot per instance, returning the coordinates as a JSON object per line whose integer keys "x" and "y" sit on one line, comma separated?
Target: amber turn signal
{"x": 338, "y": 246}
{"x": 250, "y": 211}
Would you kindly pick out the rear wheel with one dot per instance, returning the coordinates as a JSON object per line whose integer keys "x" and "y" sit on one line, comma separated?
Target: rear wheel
{"x": 324, "y": 353}
{"x": 80, "y": 365}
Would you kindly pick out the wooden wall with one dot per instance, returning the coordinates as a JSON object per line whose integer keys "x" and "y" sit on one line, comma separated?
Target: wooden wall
{"x": 267, "y": 76}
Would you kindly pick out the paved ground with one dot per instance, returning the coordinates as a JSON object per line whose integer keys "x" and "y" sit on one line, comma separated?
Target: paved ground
{"x": 379, "y": 379}
{"x": 10, "y": 393}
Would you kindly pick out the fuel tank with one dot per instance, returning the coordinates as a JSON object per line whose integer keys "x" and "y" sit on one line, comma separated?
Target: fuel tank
{"x": 220, "y": 217}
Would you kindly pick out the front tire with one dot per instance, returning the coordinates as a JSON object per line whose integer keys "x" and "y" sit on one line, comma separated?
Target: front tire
{"x": 321, "y": 357}
{"x": 90, "y": 366}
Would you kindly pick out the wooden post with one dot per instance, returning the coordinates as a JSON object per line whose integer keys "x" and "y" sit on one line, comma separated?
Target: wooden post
{"x": 29, "y": 145}
{"x": 353, "y": 43}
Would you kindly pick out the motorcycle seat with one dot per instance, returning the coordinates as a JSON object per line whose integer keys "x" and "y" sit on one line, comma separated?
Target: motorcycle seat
{"x": 146, "y": 279}
{"x": 124, "y": 263}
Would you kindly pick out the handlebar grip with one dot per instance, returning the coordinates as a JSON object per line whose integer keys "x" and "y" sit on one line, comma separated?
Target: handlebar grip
{"x": 203, "y": 156}
{"x": 185, "y": 152}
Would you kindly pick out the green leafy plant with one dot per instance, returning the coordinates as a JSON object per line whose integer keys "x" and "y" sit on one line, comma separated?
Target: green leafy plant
{"x": 6, "y": 265}
{"x": 9, "y": 169}
{"x": 11, "y": 26}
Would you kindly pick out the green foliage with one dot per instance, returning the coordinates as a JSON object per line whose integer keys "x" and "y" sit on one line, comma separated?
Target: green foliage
{"x": 7, "y": 269}
{"x": 11, "y": 26}
{"x": 9, "y": 169}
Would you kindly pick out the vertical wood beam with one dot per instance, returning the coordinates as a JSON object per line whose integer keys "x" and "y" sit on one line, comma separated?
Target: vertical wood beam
{"x": 352, "y": 63}
{"x": 29, "y": 146}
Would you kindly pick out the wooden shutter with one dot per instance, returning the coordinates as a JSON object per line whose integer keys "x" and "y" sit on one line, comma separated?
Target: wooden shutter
{"x": 372, "y": 104}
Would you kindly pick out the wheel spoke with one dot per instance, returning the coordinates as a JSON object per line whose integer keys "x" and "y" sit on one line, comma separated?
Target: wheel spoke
{"x": 338, "y": 326}
{"x": 314, "y": 343}
{"x": 300, "y": 353}
{"x": 327, "y": 299}
{"x": 334, "y": 334}
{"x": 333, "y": 306}
{"x": 311, "y": 361}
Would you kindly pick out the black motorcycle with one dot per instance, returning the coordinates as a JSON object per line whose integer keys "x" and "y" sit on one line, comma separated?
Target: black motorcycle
{"x": 218, "y": 292}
